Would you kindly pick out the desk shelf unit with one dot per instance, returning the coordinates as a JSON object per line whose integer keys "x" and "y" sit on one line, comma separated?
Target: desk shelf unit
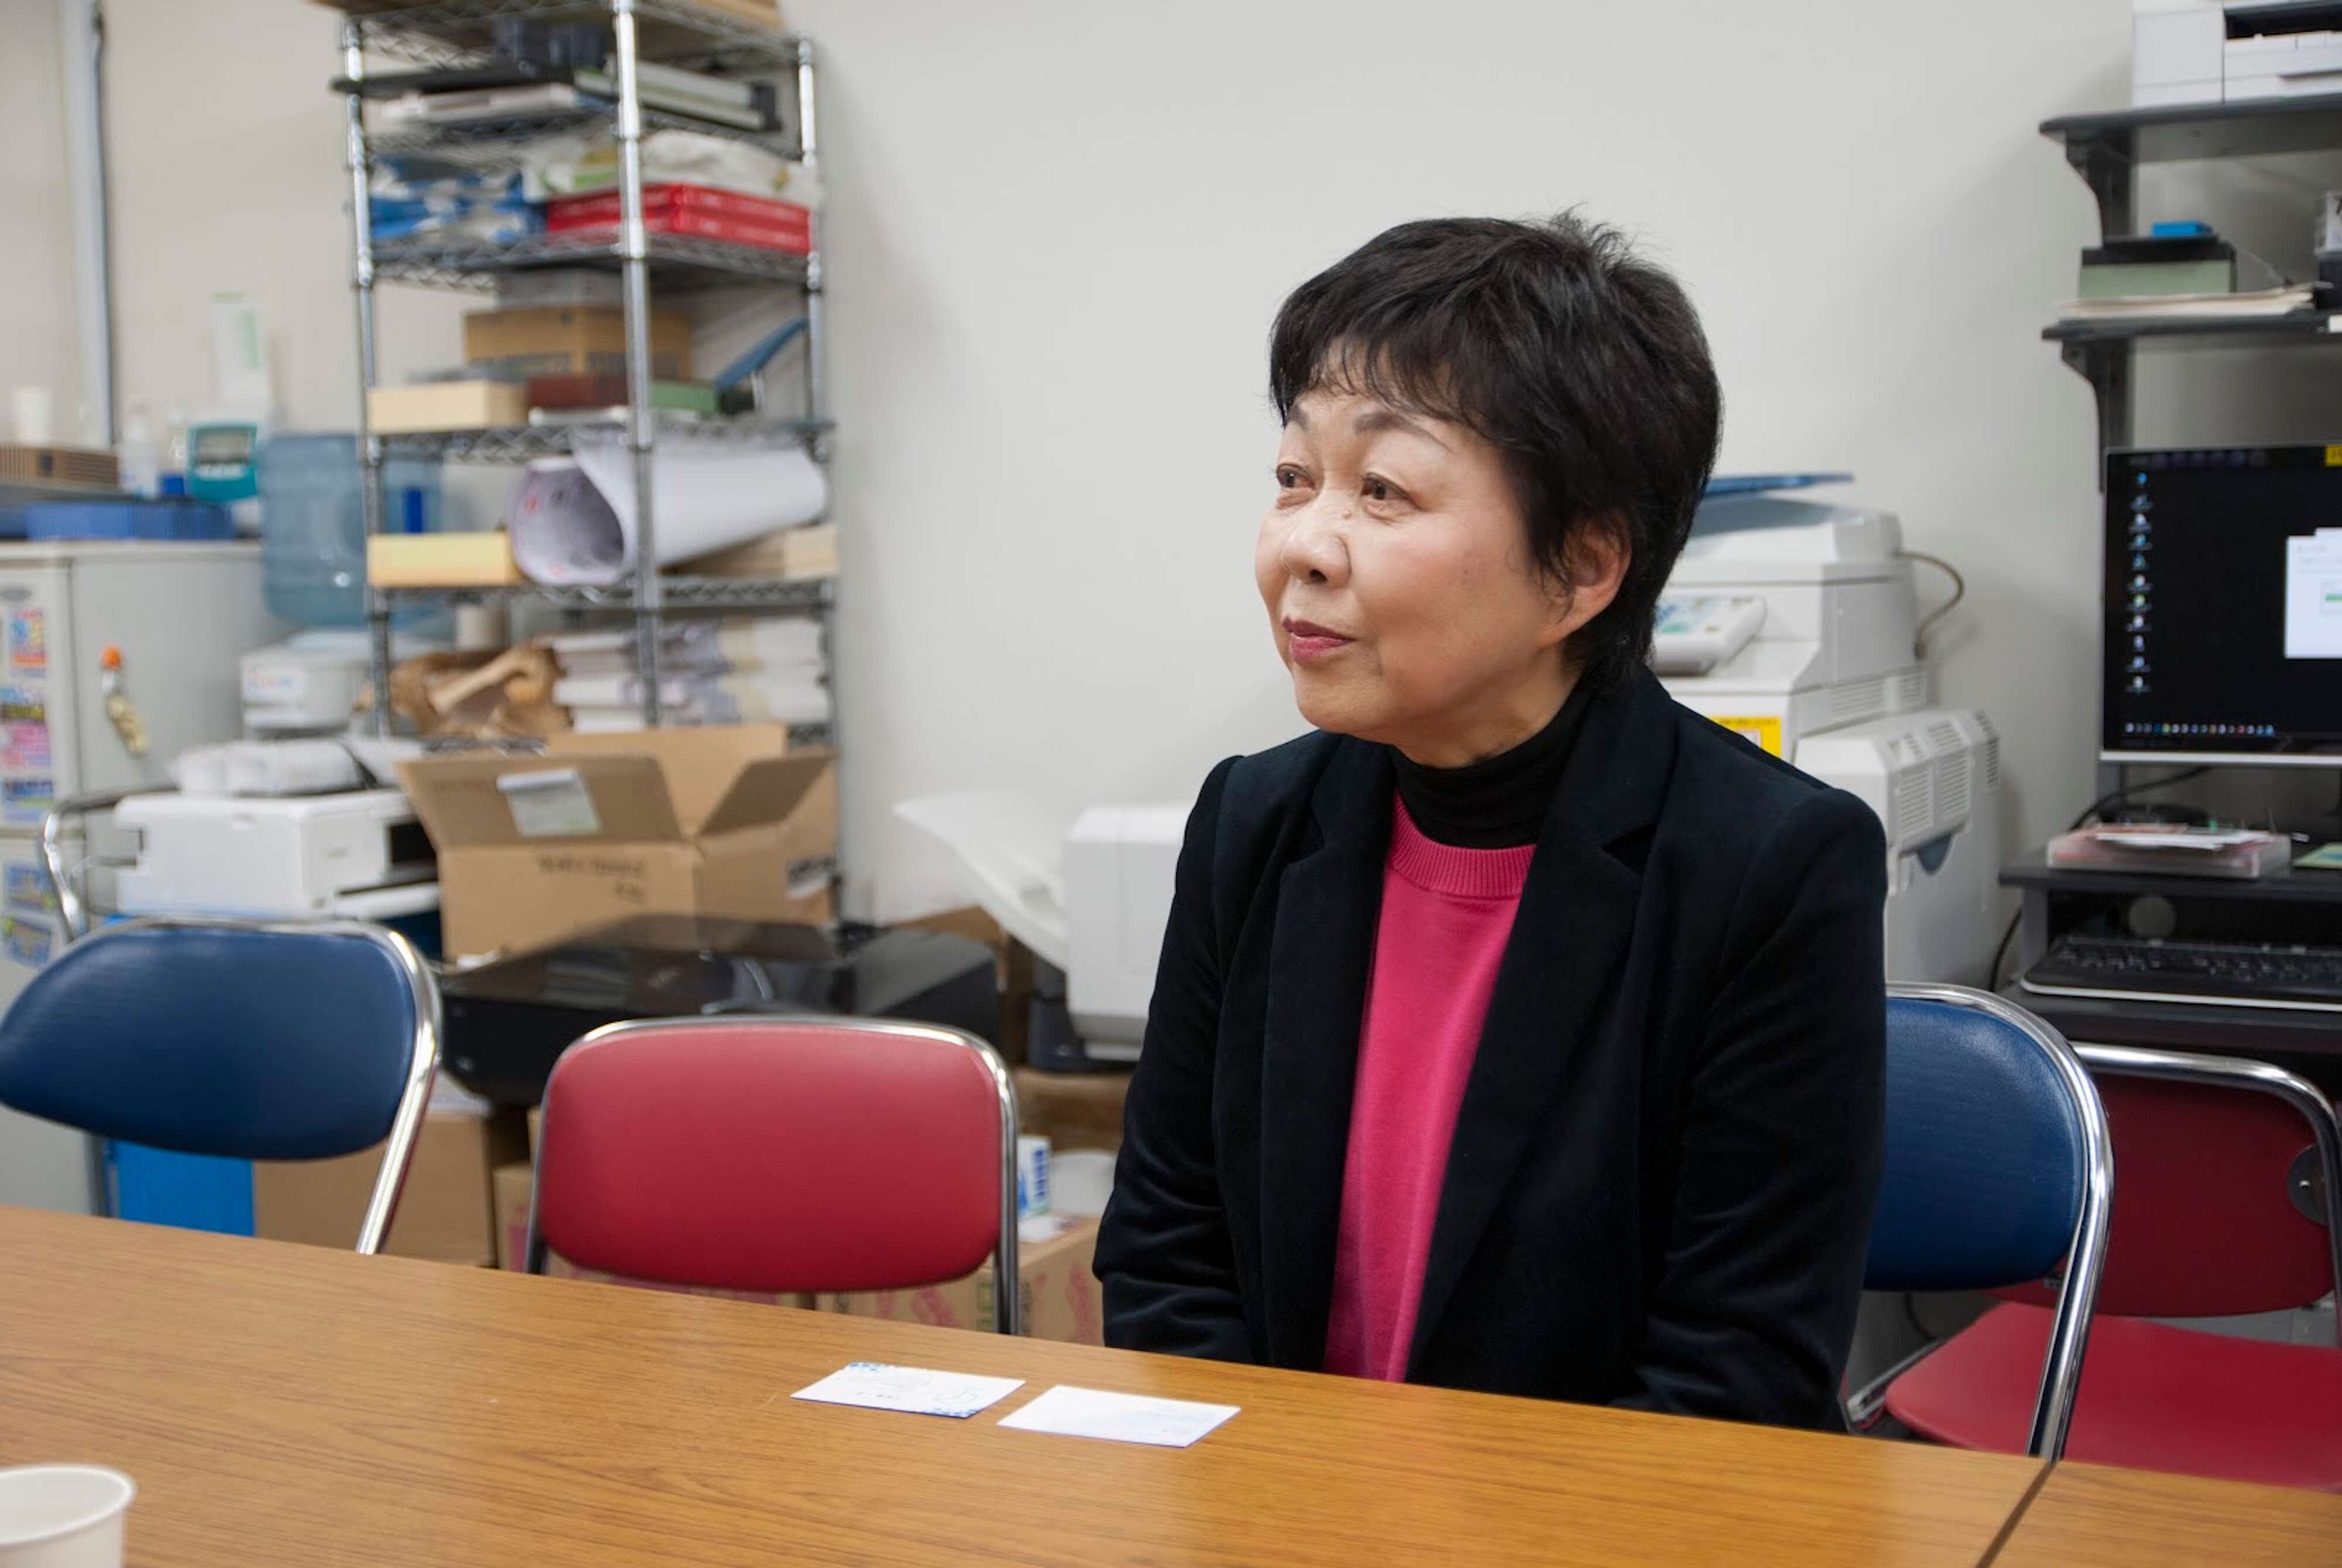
{"x": 456, "y": 33}
{"x": 2107, "y": 151}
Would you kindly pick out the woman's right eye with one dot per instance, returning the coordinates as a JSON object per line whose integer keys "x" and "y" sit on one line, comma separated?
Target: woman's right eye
{"x": 1289, "y": 477}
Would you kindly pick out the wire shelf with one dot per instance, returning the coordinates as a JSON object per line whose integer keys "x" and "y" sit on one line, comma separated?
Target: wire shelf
{"x": 485, "y": 144}
{"x": 677, "y": 261}
{"x": 526, "y": 443}
{"x": 454, "y": 34}
{"x": 678, "y": 596}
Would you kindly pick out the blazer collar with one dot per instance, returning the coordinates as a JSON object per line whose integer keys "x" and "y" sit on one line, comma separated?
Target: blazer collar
{"x": 1571, "y": 926}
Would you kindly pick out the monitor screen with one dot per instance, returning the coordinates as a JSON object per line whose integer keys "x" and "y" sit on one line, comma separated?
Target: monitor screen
{"x": 2224, "y": 605}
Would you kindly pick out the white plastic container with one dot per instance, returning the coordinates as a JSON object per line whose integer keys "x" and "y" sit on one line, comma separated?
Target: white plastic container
{"x": 63, "y": 1516}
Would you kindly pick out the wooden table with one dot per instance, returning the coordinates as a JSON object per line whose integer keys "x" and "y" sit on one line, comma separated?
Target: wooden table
{"x": 282, "y": 1405}
{"x": 2087, "y": 1516}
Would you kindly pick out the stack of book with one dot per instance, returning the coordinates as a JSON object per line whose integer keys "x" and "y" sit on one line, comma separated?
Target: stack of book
{"x": 737, "y": 671}
{"x": 2180, "y": 272}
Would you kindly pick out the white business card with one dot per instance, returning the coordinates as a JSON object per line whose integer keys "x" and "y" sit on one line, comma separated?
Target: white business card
{"x": 1120, "y": 1417}
{"x": 912, "y": 1390}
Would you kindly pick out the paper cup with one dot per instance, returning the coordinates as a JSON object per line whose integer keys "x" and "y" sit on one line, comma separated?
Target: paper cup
{"x": 1081, "y": 1180}
{"x": 63, "y": 1516}
{"x": 34, "y": 411}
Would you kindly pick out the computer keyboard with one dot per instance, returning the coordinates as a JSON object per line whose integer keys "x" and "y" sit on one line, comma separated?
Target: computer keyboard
{"x": 2221, "y": 973}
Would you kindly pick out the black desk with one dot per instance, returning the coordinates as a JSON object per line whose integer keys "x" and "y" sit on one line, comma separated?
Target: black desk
{"x": 2303, "y": 906}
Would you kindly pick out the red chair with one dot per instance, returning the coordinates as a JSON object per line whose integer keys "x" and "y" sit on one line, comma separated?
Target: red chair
{"x": 780, "y": 1154}
{"x": 2224, "y": 1171}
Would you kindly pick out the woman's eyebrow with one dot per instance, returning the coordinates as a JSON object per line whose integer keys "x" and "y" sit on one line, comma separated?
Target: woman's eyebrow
{"x": 1374, "y": 420}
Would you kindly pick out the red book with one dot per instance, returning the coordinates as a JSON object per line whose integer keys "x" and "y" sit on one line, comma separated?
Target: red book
{"x": 795, "y": 240}
{"x": 602, "y": 206}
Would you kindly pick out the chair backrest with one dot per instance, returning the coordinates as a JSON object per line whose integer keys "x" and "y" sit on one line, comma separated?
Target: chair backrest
{"x": 780, "y": 1154}
{"x": 254, "y": 1040}
{"x": 2225, "y": 1162}
{"x": 1998, "y": 1169}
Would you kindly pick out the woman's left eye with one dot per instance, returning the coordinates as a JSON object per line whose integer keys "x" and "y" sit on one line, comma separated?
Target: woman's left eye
{"x": 1378, "y": 489}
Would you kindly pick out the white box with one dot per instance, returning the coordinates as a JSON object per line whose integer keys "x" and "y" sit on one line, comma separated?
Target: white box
{"x": 1121, "y": 864}
{"x": 2177, "y": 52}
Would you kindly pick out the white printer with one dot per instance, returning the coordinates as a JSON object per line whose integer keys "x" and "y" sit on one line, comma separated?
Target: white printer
{"x": 360, "y": 855}
{"x": 1794, "y": 623}
{"x": 1784, "y": 618}
{"x": 2211, "y": 52}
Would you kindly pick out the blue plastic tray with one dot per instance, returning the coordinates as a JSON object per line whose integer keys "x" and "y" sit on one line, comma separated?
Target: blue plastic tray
{"x": 130, "y": 517}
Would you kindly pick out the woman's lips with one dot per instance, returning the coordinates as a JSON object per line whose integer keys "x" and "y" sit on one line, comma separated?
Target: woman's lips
{"x": 1309, "y": 643}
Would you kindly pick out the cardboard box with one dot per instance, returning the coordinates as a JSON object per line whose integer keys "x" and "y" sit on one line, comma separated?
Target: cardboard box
{"x": 798, "y": 554}
{"x": 721, "y": 821}
{"x": 60, "y": 466}
{"x": 1073, "y": 1110}
{"x": 445, "y": 405}
{"x": 445, "y": 1211}
{"x": 1060, "y": 1295}
{"x": 572, "y": 340}
{"x": 476, "y": 560}
{"x": 512, "y": 1184}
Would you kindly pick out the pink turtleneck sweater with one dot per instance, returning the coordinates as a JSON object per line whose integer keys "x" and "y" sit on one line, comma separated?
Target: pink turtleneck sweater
{"x": 1446, "y": 915}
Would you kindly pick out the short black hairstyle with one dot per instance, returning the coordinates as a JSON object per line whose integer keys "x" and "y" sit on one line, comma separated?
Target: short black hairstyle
{"x": 1583, "y": 364}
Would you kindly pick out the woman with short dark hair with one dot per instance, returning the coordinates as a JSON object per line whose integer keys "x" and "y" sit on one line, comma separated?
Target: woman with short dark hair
{"x": 1519, "y": 1029}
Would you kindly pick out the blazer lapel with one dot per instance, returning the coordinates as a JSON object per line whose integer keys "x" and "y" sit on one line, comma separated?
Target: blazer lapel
{"x": 1576, "y": 913}
{"x": 1320, "y": 955}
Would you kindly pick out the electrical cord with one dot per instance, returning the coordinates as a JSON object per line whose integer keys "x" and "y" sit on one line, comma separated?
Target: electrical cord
{"x": 2113, "y": 797}
{"x": 1959, "y": 592}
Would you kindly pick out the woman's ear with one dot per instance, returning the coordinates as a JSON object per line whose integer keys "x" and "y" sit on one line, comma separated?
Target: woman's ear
{"x": 1597, "y": 556}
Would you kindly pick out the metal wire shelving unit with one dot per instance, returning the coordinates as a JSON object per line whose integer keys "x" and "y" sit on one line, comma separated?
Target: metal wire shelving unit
{"x": 455, "y": 33}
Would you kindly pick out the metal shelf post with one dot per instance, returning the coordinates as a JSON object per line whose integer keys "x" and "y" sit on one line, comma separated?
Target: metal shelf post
{"x": 369, "y": 453}
{"x": 642, "y": 427}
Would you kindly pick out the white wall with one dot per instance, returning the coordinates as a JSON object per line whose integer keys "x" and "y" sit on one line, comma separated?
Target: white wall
{"x": 248, "y": 194}
{"x": 1059, "y": 229}
{"x": 38, "y": 341}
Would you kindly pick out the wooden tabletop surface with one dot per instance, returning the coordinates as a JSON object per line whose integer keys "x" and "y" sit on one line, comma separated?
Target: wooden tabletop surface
{"x": 282, "y": 1405}
{"x": 2090, "y": 1516}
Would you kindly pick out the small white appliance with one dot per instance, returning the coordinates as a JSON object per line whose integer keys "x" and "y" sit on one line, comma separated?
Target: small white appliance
{"x": 306, "y": 686}
{"x": 360, "y": 855}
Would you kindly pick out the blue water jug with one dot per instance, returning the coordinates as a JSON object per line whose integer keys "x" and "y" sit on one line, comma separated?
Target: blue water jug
{"x": 313, "y": 523}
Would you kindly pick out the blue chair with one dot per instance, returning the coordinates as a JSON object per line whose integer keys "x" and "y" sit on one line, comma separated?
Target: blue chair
{"x": 1999, "y": 1173}
{"x": 249, "y": 1039}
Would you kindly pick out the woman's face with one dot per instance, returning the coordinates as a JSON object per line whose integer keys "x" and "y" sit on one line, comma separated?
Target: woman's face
{"x": 1396, "y": 568}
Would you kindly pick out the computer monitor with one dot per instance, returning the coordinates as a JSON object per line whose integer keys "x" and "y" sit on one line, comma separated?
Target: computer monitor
{"x": 2224, "y": 606}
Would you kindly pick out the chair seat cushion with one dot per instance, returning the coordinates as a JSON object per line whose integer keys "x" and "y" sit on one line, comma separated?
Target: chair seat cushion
{"x": 2153, "y": 1397}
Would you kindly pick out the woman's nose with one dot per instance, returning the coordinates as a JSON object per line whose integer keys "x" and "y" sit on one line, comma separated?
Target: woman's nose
{"x": 1315, "y": 551}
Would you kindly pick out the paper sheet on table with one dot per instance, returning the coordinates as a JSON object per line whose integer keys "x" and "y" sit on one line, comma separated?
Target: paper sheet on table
{"x": 913, "y": 1390}
{"x": 573, "y": 519}
{"x": 1120, "y": 1417}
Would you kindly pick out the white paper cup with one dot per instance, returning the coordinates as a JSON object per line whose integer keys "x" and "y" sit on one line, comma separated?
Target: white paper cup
{"x": 35, "y": 411}
{"x": 63, "y": 1516}
{"x": 1081, "y": 1180}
